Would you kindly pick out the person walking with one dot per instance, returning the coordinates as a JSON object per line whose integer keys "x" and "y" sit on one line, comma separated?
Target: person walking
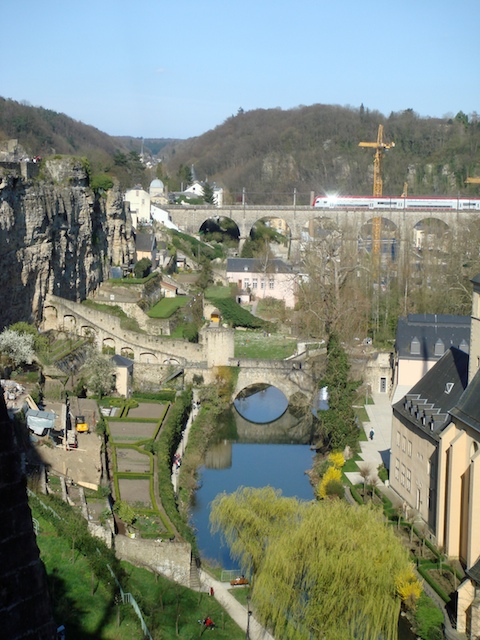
{"x": 372, "y": 433}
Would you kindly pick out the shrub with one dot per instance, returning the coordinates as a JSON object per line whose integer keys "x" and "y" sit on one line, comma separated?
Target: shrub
{"x": 428, "y": 619}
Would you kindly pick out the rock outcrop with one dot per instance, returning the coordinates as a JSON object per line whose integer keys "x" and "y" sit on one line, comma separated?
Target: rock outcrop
{"x": 57, "y": 236}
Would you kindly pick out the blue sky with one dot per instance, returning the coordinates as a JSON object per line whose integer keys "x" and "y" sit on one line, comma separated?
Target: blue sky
{"x": 150, "y": 68}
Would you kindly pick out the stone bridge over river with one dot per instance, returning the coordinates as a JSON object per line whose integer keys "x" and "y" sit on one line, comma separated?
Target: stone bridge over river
{"x": 290, "y": 376}
{"x": 154, "y": 355}
{"x": 355, "y": 225}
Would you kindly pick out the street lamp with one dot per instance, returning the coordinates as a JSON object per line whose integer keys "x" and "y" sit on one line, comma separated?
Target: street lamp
{"x": 249, "y": 613}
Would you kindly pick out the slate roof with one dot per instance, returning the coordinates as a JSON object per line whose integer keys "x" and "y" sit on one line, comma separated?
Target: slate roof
{"x": 428, "y": 328}
{"x": 254, "y": 265}
{"x": 467, "y": 408}
{"x": 144, "y": 242}
{"x": 474, "y": 572}
{"x": 121, "y": 361}
{"x": 428, "y": 403}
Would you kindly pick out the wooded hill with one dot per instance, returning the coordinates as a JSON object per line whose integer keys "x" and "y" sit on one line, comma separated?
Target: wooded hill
{"x": 271, "y": 152}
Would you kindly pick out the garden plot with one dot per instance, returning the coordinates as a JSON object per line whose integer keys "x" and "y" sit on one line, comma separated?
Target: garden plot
{"x": 135, "y": 492}
{"x": 132, "y": 461}
{"x": 147, "y": 410}
{"x": 130, "y": 432}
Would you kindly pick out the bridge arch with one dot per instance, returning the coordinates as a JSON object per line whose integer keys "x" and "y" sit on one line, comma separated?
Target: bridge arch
{"x": 220, "y": 229}
{"x": 431, "y": 233}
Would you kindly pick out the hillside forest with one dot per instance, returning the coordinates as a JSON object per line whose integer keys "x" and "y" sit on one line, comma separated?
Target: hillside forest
{"x": 268, "y": 153}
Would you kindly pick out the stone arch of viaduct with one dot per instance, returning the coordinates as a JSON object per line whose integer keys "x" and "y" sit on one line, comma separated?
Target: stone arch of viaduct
{"x": 349, "y": 221}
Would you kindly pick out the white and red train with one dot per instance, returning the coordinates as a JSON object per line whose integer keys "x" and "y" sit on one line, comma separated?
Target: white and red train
{"x": 385, "y": 202}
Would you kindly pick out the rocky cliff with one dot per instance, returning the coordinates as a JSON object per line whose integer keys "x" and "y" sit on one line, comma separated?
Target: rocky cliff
{"x": 56, "y": 236}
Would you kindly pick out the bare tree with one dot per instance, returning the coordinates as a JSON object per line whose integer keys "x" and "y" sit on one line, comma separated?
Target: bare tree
{"x": 365, "y": 470}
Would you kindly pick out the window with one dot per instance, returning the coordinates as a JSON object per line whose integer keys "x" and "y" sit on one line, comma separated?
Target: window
{"x": 439, "y": 348}
{"x": 383, "y": 385}
{"x": 402, "y": 477}
{"x": 409, "y": 450}
{"x": 246, "y": 283}
{"x": 397, "y": 469}
{"x": 398, "y": 438}
{"x": 271, "y": 283}
{"x": 262, "y": 283}
{"x": 404, "y": 444}
{"x": 254, "y": 283}
{"x": 409, "y": 479}
{"x": 415, "y": 347}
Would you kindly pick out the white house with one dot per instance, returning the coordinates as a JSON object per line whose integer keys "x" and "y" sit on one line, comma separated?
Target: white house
{"x": 264, "y": 279}
{"x": 139, "y": 202}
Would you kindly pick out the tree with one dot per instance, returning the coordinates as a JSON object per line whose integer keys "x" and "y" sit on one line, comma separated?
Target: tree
{"x": 310, "y": 577}
{"x": 142, "y": 268}
{"x": 98, "y": 371}
{"x": 16, "y": 347}
{"x": 208, "y": 193}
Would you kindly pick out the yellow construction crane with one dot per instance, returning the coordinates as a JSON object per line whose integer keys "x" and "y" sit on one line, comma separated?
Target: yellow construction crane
{"x": 380, "y": 147}
{"x": 475, "y": 180}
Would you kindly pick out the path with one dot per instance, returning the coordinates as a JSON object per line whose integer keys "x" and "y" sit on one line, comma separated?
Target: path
{"x": 235, "y": 609}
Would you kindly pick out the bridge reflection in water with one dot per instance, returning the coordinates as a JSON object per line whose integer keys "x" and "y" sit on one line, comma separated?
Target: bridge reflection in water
{"x": 275, "y": 454}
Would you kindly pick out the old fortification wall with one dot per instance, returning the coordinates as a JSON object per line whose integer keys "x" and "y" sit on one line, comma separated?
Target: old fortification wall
{"x": 25, "y": 608}
{"x": 171, "y": 559}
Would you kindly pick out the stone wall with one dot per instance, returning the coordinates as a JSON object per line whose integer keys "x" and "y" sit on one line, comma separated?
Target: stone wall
{"x": 25, "y": 608}
{"x": 171, "y": 559}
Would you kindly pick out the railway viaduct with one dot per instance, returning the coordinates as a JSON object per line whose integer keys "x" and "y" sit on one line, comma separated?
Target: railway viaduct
{"x": 154, "y": 355}
{"x": 353, "y": 224}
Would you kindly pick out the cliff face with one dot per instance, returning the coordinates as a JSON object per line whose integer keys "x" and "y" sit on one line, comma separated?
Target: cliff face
{"x": 57, "y": 236}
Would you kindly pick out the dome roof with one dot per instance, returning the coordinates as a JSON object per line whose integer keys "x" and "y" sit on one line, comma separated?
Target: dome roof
{"x": 156, "y": 184}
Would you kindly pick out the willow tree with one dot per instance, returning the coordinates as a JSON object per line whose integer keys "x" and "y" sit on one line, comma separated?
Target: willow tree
{"x": 320, "y": 569}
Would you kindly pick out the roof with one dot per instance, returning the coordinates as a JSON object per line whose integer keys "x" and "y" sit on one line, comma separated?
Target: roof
{"x": 474, "y": 572}
{"x": 121, "y": 361}
{"x": 428, "y": 403}
{"x": 144, "y": 241}
{"x": 428, "y": 329}
{"x": 255, "y": 265}
{"x": 468, "y": 407}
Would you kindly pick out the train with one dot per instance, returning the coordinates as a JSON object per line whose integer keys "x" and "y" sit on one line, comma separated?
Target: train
{"x": 407, "y": 203}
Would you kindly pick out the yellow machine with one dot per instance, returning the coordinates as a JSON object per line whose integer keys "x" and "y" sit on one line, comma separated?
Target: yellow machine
{"x": 81, "y": 425}
{"x": 380, "y": 147}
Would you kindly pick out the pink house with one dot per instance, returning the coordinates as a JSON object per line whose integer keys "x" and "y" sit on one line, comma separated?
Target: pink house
{"x": 270, "y": 278}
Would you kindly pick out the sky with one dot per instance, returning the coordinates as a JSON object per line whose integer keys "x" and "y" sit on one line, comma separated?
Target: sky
{"x": 176, "y": 69}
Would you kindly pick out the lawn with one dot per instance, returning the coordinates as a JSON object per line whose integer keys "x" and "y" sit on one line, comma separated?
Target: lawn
{"x": 90, "y": 610}
{"x": 264, "y": 346}
{"x": 166, "y": 307}
{"x": 218, "y": 292}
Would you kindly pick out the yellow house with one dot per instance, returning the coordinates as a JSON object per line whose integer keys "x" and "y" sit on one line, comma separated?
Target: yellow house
{"x": 435, "y": 461}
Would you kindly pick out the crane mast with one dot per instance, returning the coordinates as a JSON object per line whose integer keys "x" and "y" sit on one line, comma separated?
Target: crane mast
{"x": 380, "y": 147}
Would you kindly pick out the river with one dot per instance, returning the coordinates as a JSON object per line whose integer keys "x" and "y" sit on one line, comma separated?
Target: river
{"x": 275, "y": 453}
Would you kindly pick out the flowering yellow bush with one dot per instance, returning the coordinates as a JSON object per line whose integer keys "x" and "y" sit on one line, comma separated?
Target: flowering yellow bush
{"x": 336, "y": 459}
{"x": 331, "y": 474}
{"x": 408, "y": 587}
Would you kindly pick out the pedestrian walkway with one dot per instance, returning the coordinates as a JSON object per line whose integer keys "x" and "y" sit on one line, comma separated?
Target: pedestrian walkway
{"x": 375, "y": 451}
{"x": 234, "y": 608}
